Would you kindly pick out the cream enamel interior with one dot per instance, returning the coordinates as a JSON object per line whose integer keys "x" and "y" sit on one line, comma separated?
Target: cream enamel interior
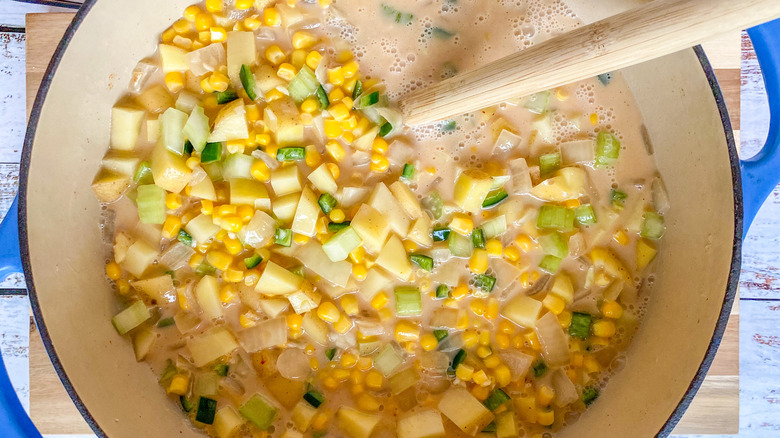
{"x": 67, "y": 255}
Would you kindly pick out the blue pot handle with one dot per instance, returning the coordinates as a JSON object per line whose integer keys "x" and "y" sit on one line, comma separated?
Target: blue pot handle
{"x": 761, "y": 173}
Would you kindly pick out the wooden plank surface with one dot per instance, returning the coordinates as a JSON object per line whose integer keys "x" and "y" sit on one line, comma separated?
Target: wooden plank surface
{"x": 714, "y": 410}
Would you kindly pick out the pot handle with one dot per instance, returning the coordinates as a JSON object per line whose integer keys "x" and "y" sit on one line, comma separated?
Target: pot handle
{"x": 761, "y": 173}
{"x": 10, "y": 259}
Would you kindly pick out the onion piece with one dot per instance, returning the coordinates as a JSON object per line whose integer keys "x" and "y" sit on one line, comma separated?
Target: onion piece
{"x": 520, "y": 181}
{"x": 565, "y": 391}
{"x": 293, "y": 364}
{"x": 269, "y": 161}
{"x": 554, "y": 342}
{"x": 660, "y": 196}
{"x": 198, "y": 175}
{"x": 518, "y": 363}
{"x": 506, "y": 141}
{"x": 264, "y": 335}
{"x": 451, "y": 343}
{"x": 578, "y": 151}
{"x": 177, "y": 256}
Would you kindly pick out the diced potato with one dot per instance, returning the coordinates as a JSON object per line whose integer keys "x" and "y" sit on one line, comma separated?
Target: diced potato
{"x": 143, "y": 342}
{"x": 125, "y": 127}
{"x": 376, "y": 281}
{"x": 506, "y": 426}
{"x": 289, "y": 127}
{"x": 173, "y": 58}
{"x": 407, "y": 199}
{"x": 273, "y": 307}
{"x": 259, "y": 232}
{"x": 522, "y": 310}
{"x": 212, "y": 345}
{"x": 302, "y": 415}
{"x": 645, "y": 253}
{"x": 563, "y": 288}
{"x": 306, "y": 214}
{"x": 465, "y": 410}
{"x": 169, "y": 170}
{"x": 341, "y": 244}
{"x": 420, "y": 233}
{"x": 155, "y": 99}
{"x": 394, "y": 259}
{"x": 607, "y": 261}
{"x": 422, "y": 424}
{"x": 159, "y": 288}
{"x": 122, "y": 163}
{"x": 471, "y": 189}
{"x": 109, "y": 186}
{"x": 304, "y": 300}
{"x": 248, "y": 192}
{"x": 385, "y": 203}
{"x": 122, "y": 243}
{"x": 287, "y": 392}
{"x": 568, "y": 183}
{"x": 230, "y": 123}
{"x": 372, "y": 227}
{"x": 240, "y": 50}
{"x": 315, "y": 328}
{"x": 139, "y": 257}
{"x": 284, "y": 207}
{"x": 323, "y": 180}
{"x": 444, "y": 317}
{"x": 207, "y": 295}
{"x": 266, "y": 78}
{"x": 355, "y": 423}
{"x": 204, "y": 190}
{"x": 277, "y": 281}
{"x": 201, "y": 228}
{"x": 153, "y": 130}
{"x": 316, "y": 260}
{"x": 226, "y": 421}
{"x": 286, "y": 180}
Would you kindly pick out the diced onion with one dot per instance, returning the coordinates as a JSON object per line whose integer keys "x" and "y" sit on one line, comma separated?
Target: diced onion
{"x": 266, "y": 334}
{"x": 177, "y": 256}
{"x": 554, "y": 342}
{"x": 293, "y": 364}
{"x": 565, "y": 391}
{"x": 518, "y": 362}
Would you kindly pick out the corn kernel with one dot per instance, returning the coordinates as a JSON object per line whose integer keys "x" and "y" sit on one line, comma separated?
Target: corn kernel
{"x": 294, "y": 321}
{"x": 464, "y": 372}
{"x": 168, "y": 35}
{"x": 339, "y": 111}
{"x": 603, "y": 328}
{"x": 478, "y": 263}
{"x": 544, "y": 395}
{"x": 174, "y": 81}
{"x": 565, "y": 319}
{"x": 591, "y": 365}
{"x": 182, "y": 26}
{"x": 406, "y": 331}
{"x": 410, "y": 246}
{"x": 506, "y": 327}
{"x": 459, "y": 291}
{"x": 303, "y": 40}
{"x": 286, "y": 71}
{"x": 621, "y": 237}
{"x": 333, "y": 128}
{"x": 191, "y": 12}
{"x": 462, "y": 224}
{"x": 503, "y": 341}
{"x": 214, "y": 5}
{"x": 233, "y": 275}
{"x": 481, "y": 378}
{"x": 244, "y": 4}
{"x": 428, "y": 342}
{"x": 252, "y": 22}
{"x": 329, "y": 383}
{"x": 350, "y": 69}
{"x": 310, "y": 105}
{"x": 171, "y": 227}
{"x": 379, "y": 163}
{"x": 343, "y": 325}
{"x": 494, "y": 248}
{"x": 219, "y": 82}
{"x": 374, "y": 380}
{"x": 554, "y": 304}
{"x": 470, "y": 338}
{"x": 612, "y": 309}
{"x": 480, "y": 392}
{"x": 205, "y": 85}
{"x": 180, "y": 384}
{"x": 348, "y": 360}
{"x": 484, "y": 338}
{"x": 227, "y": 293}
{"x": 524, "y": 242}
{"x": 218, "y": 34}
{"x": 336, "y": 76}
{"x": 324, "y": 3}
{"x": 123, "y": 287}
{"x": 336, "y": 151}
{"x": 463, "y": 320}
{"x": 350, "y": 305}
{"x": 359, "y": 271}
{"x": 260, "y": 171}
{"x": 275, "y": 54}
{"x": 512, "y": 254}
{"x": 219, "y": 260}
{"x": 533, "y": 341}
{"x": 328, "y": 312}
{"x": 313, "y": 59}
{"x": 478, "y": 307}
{"x": 367, "y": 403}
{"x": 492, "y": 308}
{"x": 594, "y": 119}
{"x": 337, "y": 215}
{"x": 492, "y": 361}
{"x": 271, "y": 17}
{"x": 113, "y": 271}
{"x": 379, "y": 145}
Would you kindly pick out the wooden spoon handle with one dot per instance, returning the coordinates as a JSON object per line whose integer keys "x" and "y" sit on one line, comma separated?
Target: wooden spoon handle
{"x": 641, "y": 34}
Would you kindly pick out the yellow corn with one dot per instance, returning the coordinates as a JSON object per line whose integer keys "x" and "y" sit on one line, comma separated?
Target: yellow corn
{"x": 545, "y": 418}
{"x": 337, "y": 215}
{"x": 492, "y": 361}
{"x": 379, "y": 146}
{"x": 320, "y": 420}
{"x": 343, "y": 325}
{"x": 260, "y": 171}
{"x": 191, "y": 12}
{"x": 410, "y": 246}
{"x": 565, "y": 319}
{"x": 113, "y": 271}
{"x": 503, "y": 375}
{"x": 235, "y": 146}
{"x": 233, "y": 246}
{"x": 621, "y": 237}
{"x": 286, "y": 71}
{"x": 594, "y": 119}
{"x": 219, "y": 260}
{"x": 367, "y": 403}
{"x": 171, "y": 227}
{"x": 533, "y": 341}
{"x": 484, "y": 338}
{"x": 459, "y": 291}
{"x": 348, "y": 360}
{"x": 303, "y": 40}
{"x": 244, "y": 4}
{"x": 350, "y": 305}
{"x": 310, "y": 105}
{"x": 591, "y": 365}
{"x": 470, "y": 338}
{"x": 233, "y": 275}
{"x": 464, "y": 372}
{"x": 218, "y": 34}
{"x": 480, "y": 392}
{"x": 604, "y": 328}
{"x": 174, "y": 81}
{"x": 245, "y": 212}
{"x": 336, "y": 151}
{"x": 406, "y": 331}
{"x": 478, "y": 263}
{"x": 219, "y": 82}
{"x": 314, "y": 364}
{"x": 478, "y": 307}
{"x": 328, "y": 312}
{"x": 294, "y": 321}
{"x": 481, "y": 378}
{"x": 312, "y": 156}
{"x": 336, "y": 76}
{"x": 203, "y": 22}
{"x": 332, "y": 384}
{"x": 506, "y": 327}
{"x": 336, "y": 95}
{"x": 463, "y": 320}
{"x": 271, "y": 17}
{"x": 502, "y": 341}
{"x": 227, "y": 293}
{"x": 231, "y": 223}
{"x": 462, "y": 224}
{"x": 612, "y": 309}
{"x": 206, "y": 207}
{"x": 544, "y": 395}
{"x": 512, "y": 254}
{"x": 214, "y": 5}
{"x": 263, "y": 139}
{"x": 359, "y": 271}
{"x": 428, "y": 342}
{"x": 374, "y": 380}
{"x": 554, "y": 304}
{"x": 180, "y": 384}
{"x": 339, "y": 111}
{"x": 252, "y": 22}
{"x": 182, "y": 26}
{"x": 333, "y": 128}
{"x": 346, "y": 100}
{"x": 524, "y": 242}
{"x": 300, "y": 238}
{"x": 204, "y": 37}
{"x": 275, "y": 55}
{"x": 492, "y": 309}
{"x": 494, "y": 248}
{"x": 379, "y": 163}
{"x": 324, "y": 3}
{"x": 350, "y": 69}
{"x": 123, "y": 287}
{"x": 313, "y": 59}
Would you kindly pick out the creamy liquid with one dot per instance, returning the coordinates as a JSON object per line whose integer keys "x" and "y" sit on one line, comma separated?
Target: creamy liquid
{"x": 405, "y": 58}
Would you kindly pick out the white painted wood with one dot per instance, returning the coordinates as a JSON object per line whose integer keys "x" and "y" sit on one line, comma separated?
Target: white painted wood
{"x": 12, "y": 97}
{"x": 14, "y": 343}
{"x": 12, "y": 12}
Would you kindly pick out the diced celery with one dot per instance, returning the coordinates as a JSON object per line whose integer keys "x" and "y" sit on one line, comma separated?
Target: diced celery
{"x": 585, "y": 214}
{"x": 341, "y": 244}
{"x": 212, "y": 152}
{"x": 403, "y": 380}
{"x": 485, "y": 282}
{"x": 237, "y": 166}
{"x": 303, "y": 85}
{"x": 197, "y": 128}
{"x": 173, "y": 122}
{"x": 434, "y": 204}
{"x": 248, "y": 81}
{"x": 226, "y": 96}
{"x": 653, "y": 226}
{"x": 388, "y": 360}
{"x": 408, "y": 301}
{"x": 227, "y": 421}
{"x": 539, "y": 102}
{"x": 460, "y": 246}
{"x": 580, "y": 325}
{"x": 478, "y": 238}
{"x": 550, "y": 264}
{"x": 555, "y": 217}
{"x": 143, "y": 175}
{"x": 549, "y": 163}
{"x": 539, "y": 368}
{"x": 554, "y": 244}
{"x": 494, "y": 227}
{"x": 618, "y": 198}
{"x": 403, "y": 18}
{"x": 496, "y": 399}
{"x": 151, "y": 204}
{"x": 607, "y": 149}
{"x": 259, "y": 411}
{"x": 283, "y": 237}
{"x": 442, "y": 291}
{"x": 130, "y": 318}
{"x": 423, "y": 261}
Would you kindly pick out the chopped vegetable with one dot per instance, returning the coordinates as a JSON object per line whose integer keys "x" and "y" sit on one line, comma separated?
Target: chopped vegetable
{"x": 478, "y": 238}
{"x": 555, "y": 217}
{"x": 207, "y": 408}
{"x": 434, "y": 204}
{"x": 408, "y": 172}
{"x": 330, "y": 353}
{"x": 585, "y": 214}
{"x": 259, "y": 411}
{"x": 338, "y": 247}
{"x": 357, "y": 90}
{"x": 184, "y": 237}
{"x": 334, "y": 227}
{"x": 539, "y": 368}
{"x": 322, "y": 97}
{"x": 143, "y": 175}
{"x": 303, "y": 84}
{"x": 441, "y": 234}
{"x": 442, "y": 291}
{"x": 440, "y": 334}
{"x": 580, "y": 325}
{"x": 423, "y": 261}
{"x": 607, "y": 149}
{"x": 291, "y": 154}
{"x": 550, "y": 264}
{"x": 589, "y": 395}
{"x": 385, "y": 129}
{"x": 459, "y": 245}
{"x": 653, "y": 226}
{"x": 252, "y": 261}
{"x": 186, "y": 404}
{"x": 283, "y": 237}
{"x": 605, "y": 78}
{"x": 485, "y": 282}
{"x": 408, "y": 301}
{"x": 151, "y": 204}
{"x": 459, "y": 357}
{"x": 211, "y": 152}
{"x": 248, "y": 81}
{"x": 496, "y": 398}
{"x": 549, "y": 163}
{"x": 226, "y": 96}
{"x": 314, "y": 398}
{"x": 618, "y": 198}
{"x": 368, "y": 99}
{"x": 554, "y": 244}
{"x": 165, "y": 322}
{"x": 494, "y": 198}
{"x": 221, "y": 369}
{"x": 327, "y": 202}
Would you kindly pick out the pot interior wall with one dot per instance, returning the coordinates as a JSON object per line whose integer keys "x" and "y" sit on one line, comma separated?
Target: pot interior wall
{"x": 76, "y": 302}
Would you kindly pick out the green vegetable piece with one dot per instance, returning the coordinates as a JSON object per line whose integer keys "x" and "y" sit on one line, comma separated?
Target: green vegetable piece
{"x": 440, "y": 334}
{"x": 496, "y": 398}
{"x": 549, "y": 163}
{"x": 259, "y": 411}
{"x": 143, "y": 175}
{"x": 442, "y": 291}
{"x": 184, "y": 237}
{"x": 205, "y": 269}
{"x": 550, "y": 264}
{"x": 490, "y": 428}
{"x": 585, "y": 214}
{"x": 188, "y": 148}
{"x": 252, "y": 261}
{"x": 460, "y": 356}
{"x": 283, "y": 237}
{"x": 165, "y": 322}
{"x": 168, "y": 372}
{"x": 186, "y": 404}
{"x": 580, "y": 325}
{"x": 589, "y": 395}
{"x": 221, "y": 369}
{"x": 322, "y": 97}
{"x": 434, "y": 204}
{"x": 291, "y": 154}
{"x": 618, "y": 198}
{"x": 555, "y": 217}
{"x": 554, "y": 244}
{"x": 357, "y": 90}
{"x": 303, "y": 84}
{"x": 150, "y": 201}
{"x": 333, "y": 227}
{"x": 539, "y": 368}
{"x": 652, "y": 226}
{"x": 441, "y": 234}
{"x": 408, "y": 172}
{"x": 494, "y": 198}
{"x": 314, "y": 398}
{"x": 478, "y": 238}
{"x": 385, "y": 129}
{"x": 298, "y": 270}
{"x": 207, "y": 408}
{"x": 607, "y": 149}
{"x": 423, "y": 261}
{"x": 485, "y": 282}
{"x": 327, "y": 202}
{"x": 248, "y": 81}
{"x": 211, "y": 152}
{"x": 330, "y": 353}
{"x": 226, "y": 96}
{"x": 408, "y": 301}
{"x": 369, "y": 99}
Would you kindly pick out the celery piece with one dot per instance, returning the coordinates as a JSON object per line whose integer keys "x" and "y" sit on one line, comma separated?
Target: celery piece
{"x": 396, "y": 15}
{"x": 291, "y": 154}
{"x": 554, "y": 244}
{"x": 326, "y": 202}
{"x": 460, "y": 246}
{"x": 496, "y": 398}
{"x": 440, "y": 334}
{"x": 408, "y": 301}
{"x": 314, "y": 398}
{"x": 423, "y": 261}
{"x": 450, "y": 126}
{"x": 485, "y": 282}
{"x": 226, "y": 96}
{"x": 186, "y": 404}
{"x": 283, "y": 237}
{"x": 549, "y": 163}
{"x": 253, "y": 261}
{"x": 441, "y": 234}
{"x": 589, "y": 395}
{"x": 550, "y": 264}
{"x": 494, "y": 198}
{"x": 151, "y": 204}
{"x": 580, "y": 325}
{"x": 539, "y": 102}
{"x": 205, "y": 269}
{"x": 237, "y": 166}
{"x": 387, "y": 360}
{"x": 494, "y": 227}
{"x": 338, "y": 247}
{"x": 408, "y": 172}
{"x": 442, "y": 291}
{"x": 197, "y": 128}
{"x": 434, "y": 204}
{"x": 172, "y": 123}
{"x": 303, "y": 85}
{"x": 322, "y": 97}
{"x": 357, "y": 90}
{"x": 607, "y": 149}
{"x": 188, "y": 148}
{"x": 618, "y": 198}
{"x": 143, "y": 175}
{"x": 585, "y": 214}
{"x": 259, "y": 411}
{"x": 221, "y": 369}
{"x": 478, "y": 238}
{"x": 211, "y": 152}
{"x": 555, "y": 217}
{"x": 652, "y": 226}
{"x": 333, "y": 227}
{"x": 539, "y": 368}
{"x": 368, "y": 100}
{"x": 130, "y": 318}
{"x": 207, "y": 409}
{"x": 184, "y": 237}
{"x": 248, "y": 81}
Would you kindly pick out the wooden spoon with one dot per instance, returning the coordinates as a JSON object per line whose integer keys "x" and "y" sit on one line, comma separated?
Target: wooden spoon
{"x": 641, "y": 34}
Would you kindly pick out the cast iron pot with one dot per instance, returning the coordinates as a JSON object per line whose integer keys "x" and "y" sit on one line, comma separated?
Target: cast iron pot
{"x": 63, "y": 254}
